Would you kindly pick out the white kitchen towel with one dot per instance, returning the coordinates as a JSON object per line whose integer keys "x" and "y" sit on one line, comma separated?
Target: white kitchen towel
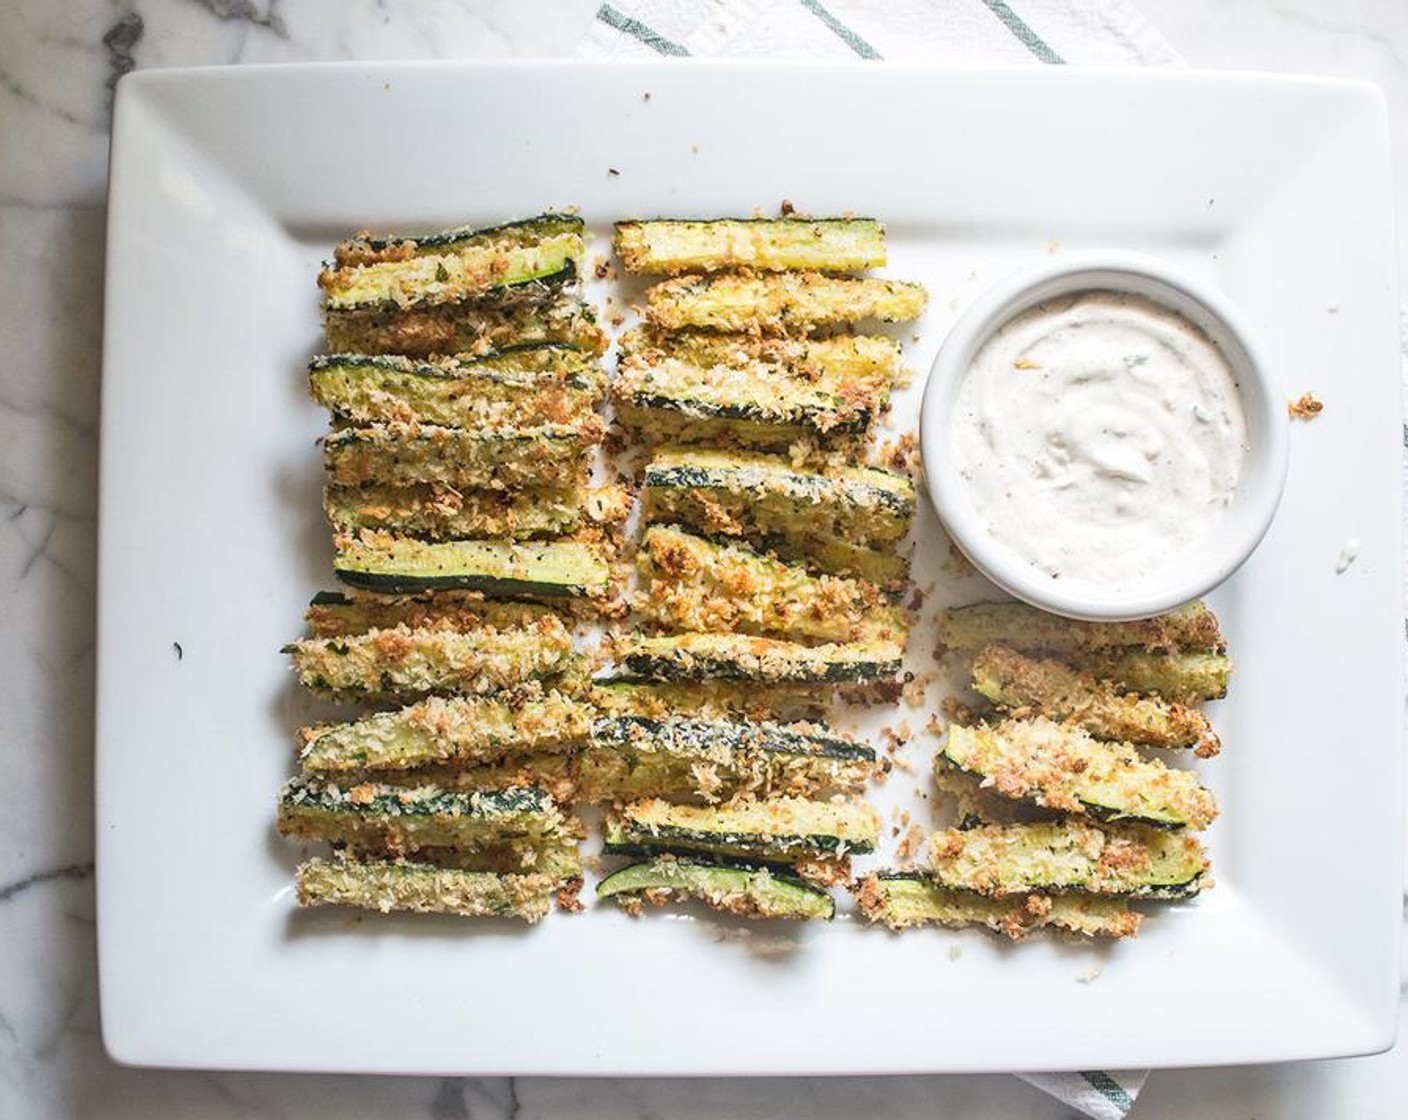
{"x": 1082, "y": 32}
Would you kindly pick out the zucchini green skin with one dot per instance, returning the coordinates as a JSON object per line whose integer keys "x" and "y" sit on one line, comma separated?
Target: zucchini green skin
{"x": 1191, "y": 627}
{"x": 666, "y": 245}
{"x": 1012, "y": 680}
{"x": 421, "y": 888}
{"x": 743, "y": 891}
{"x": 535, "y": 569}
{"x": 534, "y": 313}
{"x": 437, "y": 512}
{"x": 405, "y": 663}
{"x": 400, "y": 820}
{"x": 451, "y": 271}
{"x": 779, "y": 302}
{"x": 440, "y": 731}
{"x": 1065, "y": 769}
{"x": 903, "y": 901}
{"x": 695, "y": 657}
{"x": 638, "y": 757}
{"x": 741, "y": 494}
{"x": 691, "y": 583}
{"x": 1129, "y": 860}
{"x": 778, "y": 828}
{"x": 365, "y": 249}
{"x": 522, "y": 387}
{"x": 333, "y": 614}
{"x": 400, "y": 454}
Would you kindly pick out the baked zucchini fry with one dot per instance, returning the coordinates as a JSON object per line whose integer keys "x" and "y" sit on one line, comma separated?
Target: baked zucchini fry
{"x": 887, "y": 570}
{"x": 435, "y": 511}
{"x": 1130, "y": 860}
{"x": 637, "y": 756}
{"x": 440, "y": 731}
{"x": 778, "y": 828}
{"x": 690, "y": 583}
{"x": 1065, "y": 769}
{"x": 398, "y": 454}
{"x": 706, "y": 700}
{"x": 758, "y": 405}
{"x": 523, "y": 386}
{"x": 903, "y": 900}
{"x": 740, "y": 494}
{"x": 1014, "y": 681}
{"x": 738, "y": 657}
{"x": 554, "y": 774}
{"x": 749, "y": 892}
{"x": 1189, "y": 627}
{"x": 1180, "y": 678}
{"x": 404, "y": 663}
{"x": 364, "y": 249}
{"x": 839, "y": 358}
{"x": 677, "y": 245}
{"x": 333, "y": 614}
{"x": 779, "y": 302}
{"x": 400, "y": 820}
{"x": 531, "y": 569}
{"x": 452, "y": 266}
{"x": 533, "y": 313}
{"x": 423, "y": 888}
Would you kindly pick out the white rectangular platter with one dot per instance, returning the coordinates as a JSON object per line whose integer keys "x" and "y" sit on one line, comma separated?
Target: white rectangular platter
{"x": 229, "y": 186}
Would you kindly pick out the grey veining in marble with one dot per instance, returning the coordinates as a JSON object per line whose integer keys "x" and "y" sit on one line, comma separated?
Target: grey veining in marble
{"x": 58, "y": 64}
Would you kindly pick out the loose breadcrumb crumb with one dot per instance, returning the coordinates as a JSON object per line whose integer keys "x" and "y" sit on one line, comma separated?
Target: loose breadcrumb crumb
{"x": 1307, "y": 408}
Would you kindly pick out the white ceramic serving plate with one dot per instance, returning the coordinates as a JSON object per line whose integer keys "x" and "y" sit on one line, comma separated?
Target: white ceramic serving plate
{"x": 228, "y": 186}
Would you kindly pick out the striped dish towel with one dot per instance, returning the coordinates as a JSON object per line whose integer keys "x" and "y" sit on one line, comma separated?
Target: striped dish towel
{"x": 1081, "y": 32}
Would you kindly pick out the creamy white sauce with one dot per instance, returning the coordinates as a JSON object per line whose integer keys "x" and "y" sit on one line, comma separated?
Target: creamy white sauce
{"x": 1099, "y": 437}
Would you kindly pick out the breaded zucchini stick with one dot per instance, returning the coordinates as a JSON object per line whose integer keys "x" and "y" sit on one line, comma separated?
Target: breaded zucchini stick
{"x": 533, "y": 313}
{"x": 678, "y": 245}
{"x": 756, "y": 405}
{"x": 435, "y": 511}
{"x": 442, "y": 730}
{"x": 451, "y": 266}
{"x": 405, "y": 663}
{"x": 502, "y": 569}
{"x": 522, "y": 386}
{"x": 633, "y": 757}
{"x": 904, "y": 900}
{"x": 779, "y": 302}
{"x": 423, "y": 888}
{"x": 1180, "y": 678}
{"x": 400, "y": 820}
{"x": 737, "y": 889}
{"x": 739, "y": 657}
{"x": 838, "y": 358}
{"x": 690, "y": 583}
{"x": 1064, "y": 768}
{"x": 1131, "y": 860}
{"x": 1189, "y": 627}
{"x": 336, "y": 614}
{"x": 1014, "y": 681}
{"x": 399, "y": 454}
{"x": 742, "y": 494}
{"x": 777, "y": 828}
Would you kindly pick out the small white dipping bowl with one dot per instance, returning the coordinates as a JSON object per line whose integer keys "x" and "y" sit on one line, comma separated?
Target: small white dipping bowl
{"x": 1263, "y": 475}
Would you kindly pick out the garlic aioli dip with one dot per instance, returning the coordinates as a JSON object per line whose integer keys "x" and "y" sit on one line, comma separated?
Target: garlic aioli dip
{"x": 1099, "y": 437}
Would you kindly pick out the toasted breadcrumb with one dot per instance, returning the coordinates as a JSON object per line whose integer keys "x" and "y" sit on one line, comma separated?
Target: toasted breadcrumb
{"x": 1307, "y": 408}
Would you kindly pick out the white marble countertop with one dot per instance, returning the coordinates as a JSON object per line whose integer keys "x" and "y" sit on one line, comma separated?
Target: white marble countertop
{"x": 57, "y": 66}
